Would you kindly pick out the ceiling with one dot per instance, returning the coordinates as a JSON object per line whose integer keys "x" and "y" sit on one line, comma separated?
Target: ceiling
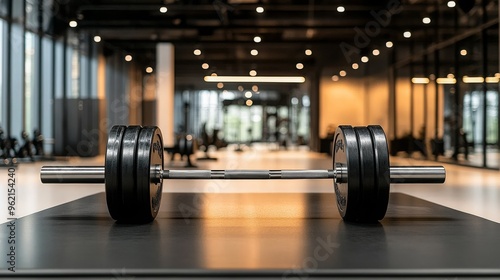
{"x": 224, "y": 30}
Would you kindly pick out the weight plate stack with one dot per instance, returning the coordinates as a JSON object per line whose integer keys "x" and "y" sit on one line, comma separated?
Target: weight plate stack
{"x": 112, "y": 171}
{"x": 382, "y": 169}
{"x": 149, "y": 186}
{"x": 368, "y": 186}
{"x": 129, "y": 167}
{"x": 347, "y": 187}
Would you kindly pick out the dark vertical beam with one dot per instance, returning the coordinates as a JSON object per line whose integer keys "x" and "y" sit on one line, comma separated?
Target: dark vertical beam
{"x": 484, "y": 44}
{"x": 456, "y": 99}
{"x": 40, "y": 61}
{"x": 8, "y": 99}
{"x": 53, "y": 87}
{"x": 23, "y": 67}
{"x": 65, "y": 94}
{"x": 436, "y": 100}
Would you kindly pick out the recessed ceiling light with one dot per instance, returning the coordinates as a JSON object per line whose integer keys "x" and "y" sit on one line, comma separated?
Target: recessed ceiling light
{"x": 220, "y": 85}
{"x": 249, "y": 102}
{"x": 255, "y": 88}
{"x": 308, "y": 52}
{"x": 149, "y": 69}
{"x": 340, "y": 9}
{"x": 389, "y": 44}
{"x": 463, "y": 52}
{"x": 197, "y": 52}
{"x": 364, "y": 59}
{"x": 257, "y": 39}
{"x": 451, "y": 4}
{"x": 73, "y": 23}
{"x": 252, "y": 73}
{"x": 335, "y": 78}
{"x": 355, "y": 66}
{"x": 299, "y": 66}
{"x": 426, "y": 20}
{"x": 97, "y": 38}
{"x": 248, "y": 94}
{"x": 163, "y": 10}
{"x": 342, "y": 73}
{"x": 259, "y": 10}
{"x": 254, "y": 52}
{"x": 213, "y": 74}
{"x": 205, "y": 66}
{"x": 128, "y": 57}
{"x": 407, "y": 34}
{"x": 375, "y": 52}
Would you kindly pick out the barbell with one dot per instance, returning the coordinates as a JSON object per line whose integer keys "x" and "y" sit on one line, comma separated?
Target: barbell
{"x": 133, "y": 173}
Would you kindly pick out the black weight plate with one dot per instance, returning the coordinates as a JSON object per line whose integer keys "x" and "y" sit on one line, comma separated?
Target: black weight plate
{"x": 149, "y": 156}
{"x": 346, "y": 155}
{"x": 112, "y": 171}
{"x": 368, "y": 184}
{"x": 129, "y": 166}
{"x": 382, "y": 169}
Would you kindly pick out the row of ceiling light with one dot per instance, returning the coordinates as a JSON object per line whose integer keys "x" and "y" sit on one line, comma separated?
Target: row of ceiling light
{"x": 389, "y": 44}
{"x": 450, "y": 79}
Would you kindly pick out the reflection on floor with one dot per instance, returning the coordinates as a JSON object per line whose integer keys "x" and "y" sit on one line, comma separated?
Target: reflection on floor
{"x": 470, "y": 190}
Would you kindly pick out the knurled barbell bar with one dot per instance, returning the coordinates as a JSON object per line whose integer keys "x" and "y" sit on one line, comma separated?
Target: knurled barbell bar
{"x": 133, "y": 173}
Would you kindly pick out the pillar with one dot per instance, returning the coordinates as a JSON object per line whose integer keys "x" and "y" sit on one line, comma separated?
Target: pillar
{"x": 165, "y": 89}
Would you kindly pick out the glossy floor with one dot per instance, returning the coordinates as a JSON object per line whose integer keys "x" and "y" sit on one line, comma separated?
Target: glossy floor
{"x": 470, "y": 190}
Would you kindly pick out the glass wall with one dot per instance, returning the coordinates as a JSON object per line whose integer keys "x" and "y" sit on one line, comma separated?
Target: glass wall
{"x": 458, "y": 74}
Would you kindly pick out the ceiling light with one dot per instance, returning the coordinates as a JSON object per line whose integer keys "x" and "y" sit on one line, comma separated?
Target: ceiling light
{"x": 205, "y": 66}
{"x": 389, "y": 44}
{"x": 220, "y": 85}
{"x": 335, "y": 78}
{"x": 451, "y": 4}
{"x": 299, "y": 66}
{"x": 342, "y": 73}
{"x": 426, "y": 20}
{"x": 472, "y": 80}
{"x": 163, "y": 10}
{"x": 463, "y": 52}
{"x": 355, "y": 66}
{"x": 73, "y": 23}
{"x": 450, "y": 76}
{"x": 197, "y": 52}
{"x": 252, "y": 73}
{"x": 259, "y": 79}
{"x": 97, "y": 38}
{"x": 420, "y": 80}
{"x": 492, "y": 80}
{"x": 249, "y": 102}
{"x": 257, "y": 39}
{"x": 213, "y": 74}
{"x": 340, "y": 9}
{"x": 149, "y": 69}
{"x": 364, "y": 59}
{"x": 255, "y": 88}
{"x": 446, "y": 81}
{"x": 248, "y": 94}
{"x": 375, "y": 52}
{"x": 259, "y": 10}
{"x": 308, "y": 52}
{"x": 128, "y": 57}
{"x": 254, "y": 52}
{"x": 407, "y": 34}
{"x": 240, "y": 88}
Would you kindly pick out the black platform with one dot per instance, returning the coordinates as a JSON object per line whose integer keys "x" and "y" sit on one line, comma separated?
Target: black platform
{"x": 254, "y": 235}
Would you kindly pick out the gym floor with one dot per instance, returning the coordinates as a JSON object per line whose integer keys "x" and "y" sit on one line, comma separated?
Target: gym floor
{"x": 471, "y": 190}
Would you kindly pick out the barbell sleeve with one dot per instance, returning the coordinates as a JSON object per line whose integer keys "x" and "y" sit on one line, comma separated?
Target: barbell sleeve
{"x": 95, "y": 174}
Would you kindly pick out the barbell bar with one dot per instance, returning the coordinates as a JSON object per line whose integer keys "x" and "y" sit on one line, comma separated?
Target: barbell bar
{"x": 133, "y": 173}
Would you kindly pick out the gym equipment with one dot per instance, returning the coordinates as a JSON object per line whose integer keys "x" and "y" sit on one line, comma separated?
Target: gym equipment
{"x": 133, "y": 173}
